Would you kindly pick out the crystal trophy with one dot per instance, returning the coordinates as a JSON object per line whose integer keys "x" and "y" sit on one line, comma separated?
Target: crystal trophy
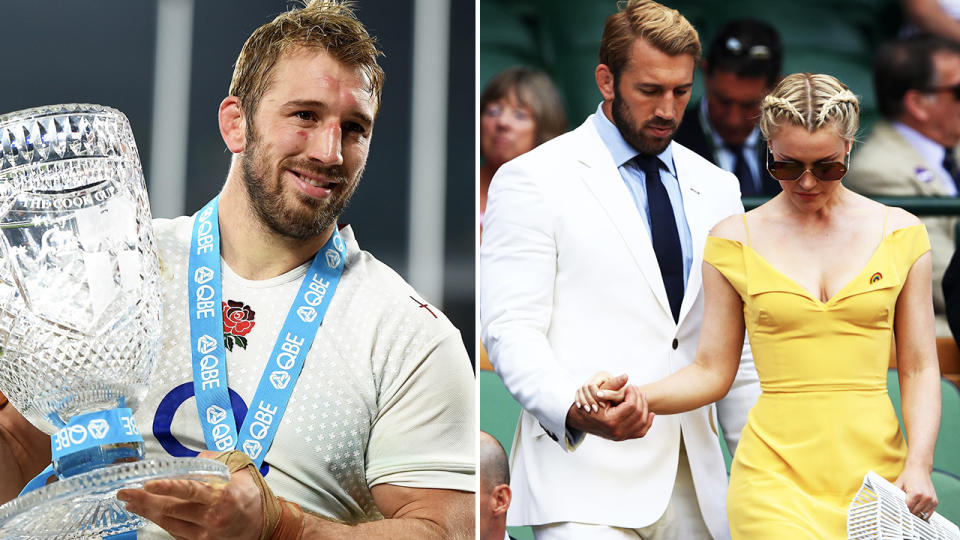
{"x": 80, "y": 316}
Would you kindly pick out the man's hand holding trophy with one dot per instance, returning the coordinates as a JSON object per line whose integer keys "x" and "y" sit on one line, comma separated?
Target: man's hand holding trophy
{"x": 80, "y": 315}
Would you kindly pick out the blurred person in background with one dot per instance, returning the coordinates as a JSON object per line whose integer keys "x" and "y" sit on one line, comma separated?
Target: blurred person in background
{"x": 951, "y": 294}
{"x": 941, "y": 17}
{"x": 742, "y": 66}
{"x": 912, "y": 151}
{"x": 520, "y": 108}
{"x": 494, "y": 494}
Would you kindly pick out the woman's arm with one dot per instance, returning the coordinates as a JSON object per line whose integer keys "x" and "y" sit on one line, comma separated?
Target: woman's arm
{"x": 930, "y": 17}
{"x": 919, "y": 373}
{"x": 718, "y": 353}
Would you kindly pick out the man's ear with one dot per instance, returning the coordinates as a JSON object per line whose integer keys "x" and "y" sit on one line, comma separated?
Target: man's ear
{"x": 233, "y": 125}
{"x": 501, "y": 496}
{"x": 605, "y": 81}
{"x": 915, "y": 104}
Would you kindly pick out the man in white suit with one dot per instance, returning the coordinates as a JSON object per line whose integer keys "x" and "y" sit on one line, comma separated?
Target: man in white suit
{"x": 572, "y": 281}
{"x": 912, "y": 152}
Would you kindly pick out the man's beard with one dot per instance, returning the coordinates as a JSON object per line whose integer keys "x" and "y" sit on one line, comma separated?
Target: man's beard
{"x": 267, "y": 201}
{"x": 630, "y": 130}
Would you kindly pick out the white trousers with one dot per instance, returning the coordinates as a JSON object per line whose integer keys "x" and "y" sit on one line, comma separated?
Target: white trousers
{"x": 681, "y": 520}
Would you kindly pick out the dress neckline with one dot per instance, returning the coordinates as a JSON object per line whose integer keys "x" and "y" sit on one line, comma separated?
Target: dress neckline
{"x": 847, "y": 285}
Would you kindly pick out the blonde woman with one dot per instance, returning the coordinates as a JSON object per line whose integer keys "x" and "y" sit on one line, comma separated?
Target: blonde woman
{"x": 822, "y": 279}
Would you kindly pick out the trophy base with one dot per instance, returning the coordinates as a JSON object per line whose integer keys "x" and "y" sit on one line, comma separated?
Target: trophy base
{"x": 85, "y": 506}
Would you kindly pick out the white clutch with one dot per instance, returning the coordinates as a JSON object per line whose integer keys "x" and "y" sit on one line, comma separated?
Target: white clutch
{"x": 879, "y": 511}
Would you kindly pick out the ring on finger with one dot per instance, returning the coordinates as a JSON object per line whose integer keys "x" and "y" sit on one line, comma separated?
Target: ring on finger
{"x": 924, "y": 515}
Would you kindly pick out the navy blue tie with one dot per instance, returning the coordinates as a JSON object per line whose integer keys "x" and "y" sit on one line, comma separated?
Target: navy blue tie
{"x": 742, "y": 171}
{"x": 663, "y": 229}
{"x": 950, "y": 164}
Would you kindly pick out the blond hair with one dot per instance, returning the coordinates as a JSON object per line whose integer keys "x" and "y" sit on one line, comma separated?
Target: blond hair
{"x": 326, "y": 25}
{"x": 811, "y": 101}
{"x": 664, "y": 28}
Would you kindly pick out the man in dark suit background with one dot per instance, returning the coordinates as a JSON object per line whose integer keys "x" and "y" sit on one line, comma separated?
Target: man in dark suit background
{"x": 495, "y": 491}
{"x": 741, "y": 67}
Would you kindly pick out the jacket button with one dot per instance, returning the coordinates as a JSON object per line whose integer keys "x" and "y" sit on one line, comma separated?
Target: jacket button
{"x": 675, "y": 343}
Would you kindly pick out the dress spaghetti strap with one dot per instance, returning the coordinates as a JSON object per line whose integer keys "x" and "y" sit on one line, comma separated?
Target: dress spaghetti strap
{"x": 747, "y": 230}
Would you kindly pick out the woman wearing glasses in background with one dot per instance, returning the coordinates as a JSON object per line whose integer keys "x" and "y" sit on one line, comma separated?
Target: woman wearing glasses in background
{"x": 821, "y": 278}
{"x": 520, "y": 108}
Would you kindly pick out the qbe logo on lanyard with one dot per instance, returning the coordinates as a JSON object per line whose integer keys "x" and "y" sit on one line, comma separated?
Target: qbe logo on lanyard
{"x": 286, "y": 360}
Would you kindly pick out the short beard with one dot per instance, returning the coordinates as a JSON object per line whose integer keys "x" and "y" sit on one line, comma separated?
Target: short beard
{"x": 269, "y": 205}
{"x": 631, "y": 132}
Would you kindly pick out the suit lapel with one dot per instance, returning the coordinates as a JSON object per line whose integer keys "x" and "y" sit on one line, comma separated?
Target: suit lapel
{"x": 929, "y": 181}
{"x": 693, "y": 209}
{"x": 602, "y": 178}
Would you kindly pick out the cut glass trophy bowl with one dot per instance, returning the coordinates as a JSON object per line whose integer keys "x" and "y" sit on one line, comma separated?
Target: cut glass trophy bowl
{"x": 79, "y": 310}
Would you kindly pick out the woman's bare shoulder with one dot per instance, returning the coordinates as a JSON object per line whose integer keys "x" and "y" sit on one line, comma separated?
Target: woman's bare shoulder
{"x": 898, "y": 218}
{"x": 731, "y": 228}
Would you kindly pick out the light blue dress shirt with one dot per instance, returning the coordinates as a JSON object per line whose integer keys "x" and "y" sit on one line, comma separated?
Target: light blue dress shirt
{"x": 635, "y": 180}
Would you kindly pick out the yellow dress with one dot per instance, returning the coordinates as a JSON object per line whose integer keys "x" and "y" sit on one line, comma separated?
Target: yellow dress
{"x": 824, "y": 417}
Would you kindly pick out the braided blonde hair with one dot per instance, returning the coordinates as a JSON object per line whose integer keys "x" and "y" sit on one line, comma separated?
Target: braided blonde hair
{"x": 812, "y": 101}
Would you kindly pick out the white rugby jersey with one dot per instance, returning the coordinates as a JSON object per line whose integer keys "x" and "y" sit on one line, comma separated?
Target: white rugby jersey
{"x": 385, "y": 395}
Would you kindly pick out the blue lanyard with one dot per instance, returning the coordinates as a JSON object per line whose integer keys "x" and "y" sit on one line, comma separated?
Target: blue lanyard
{"x": 289, "y": 352}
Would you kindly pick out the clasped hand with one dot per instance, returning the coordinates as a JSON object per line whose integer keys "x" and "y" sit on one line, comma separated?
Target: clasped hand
{"x": 608, "y": 407}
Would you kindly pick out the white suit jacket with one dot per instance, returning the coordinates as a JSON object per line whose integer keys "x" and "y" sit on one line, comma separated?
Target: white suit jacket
{"x": 569, "y": 285}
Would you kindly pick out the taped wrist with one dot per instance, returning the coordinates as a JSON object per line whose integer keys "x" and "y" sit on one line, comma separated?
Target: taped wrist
{"x": 290, "y": 524}
{"x": 282, "y": 520}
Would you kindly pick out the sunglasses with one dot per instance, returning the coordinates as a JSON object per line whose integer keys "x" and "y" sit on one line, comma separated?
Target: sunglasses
{"x": 788, "y": 171}
{"x": 955, "y": 89}
{"x": 736, "y": 47}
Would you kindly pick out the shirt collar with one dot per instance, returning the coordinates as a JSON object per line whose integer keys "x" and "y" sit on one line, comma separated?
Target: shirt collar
{"x": 619, "y": 148}
{"x": 750, "y": 142}
{"x": 930, "y": 150}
